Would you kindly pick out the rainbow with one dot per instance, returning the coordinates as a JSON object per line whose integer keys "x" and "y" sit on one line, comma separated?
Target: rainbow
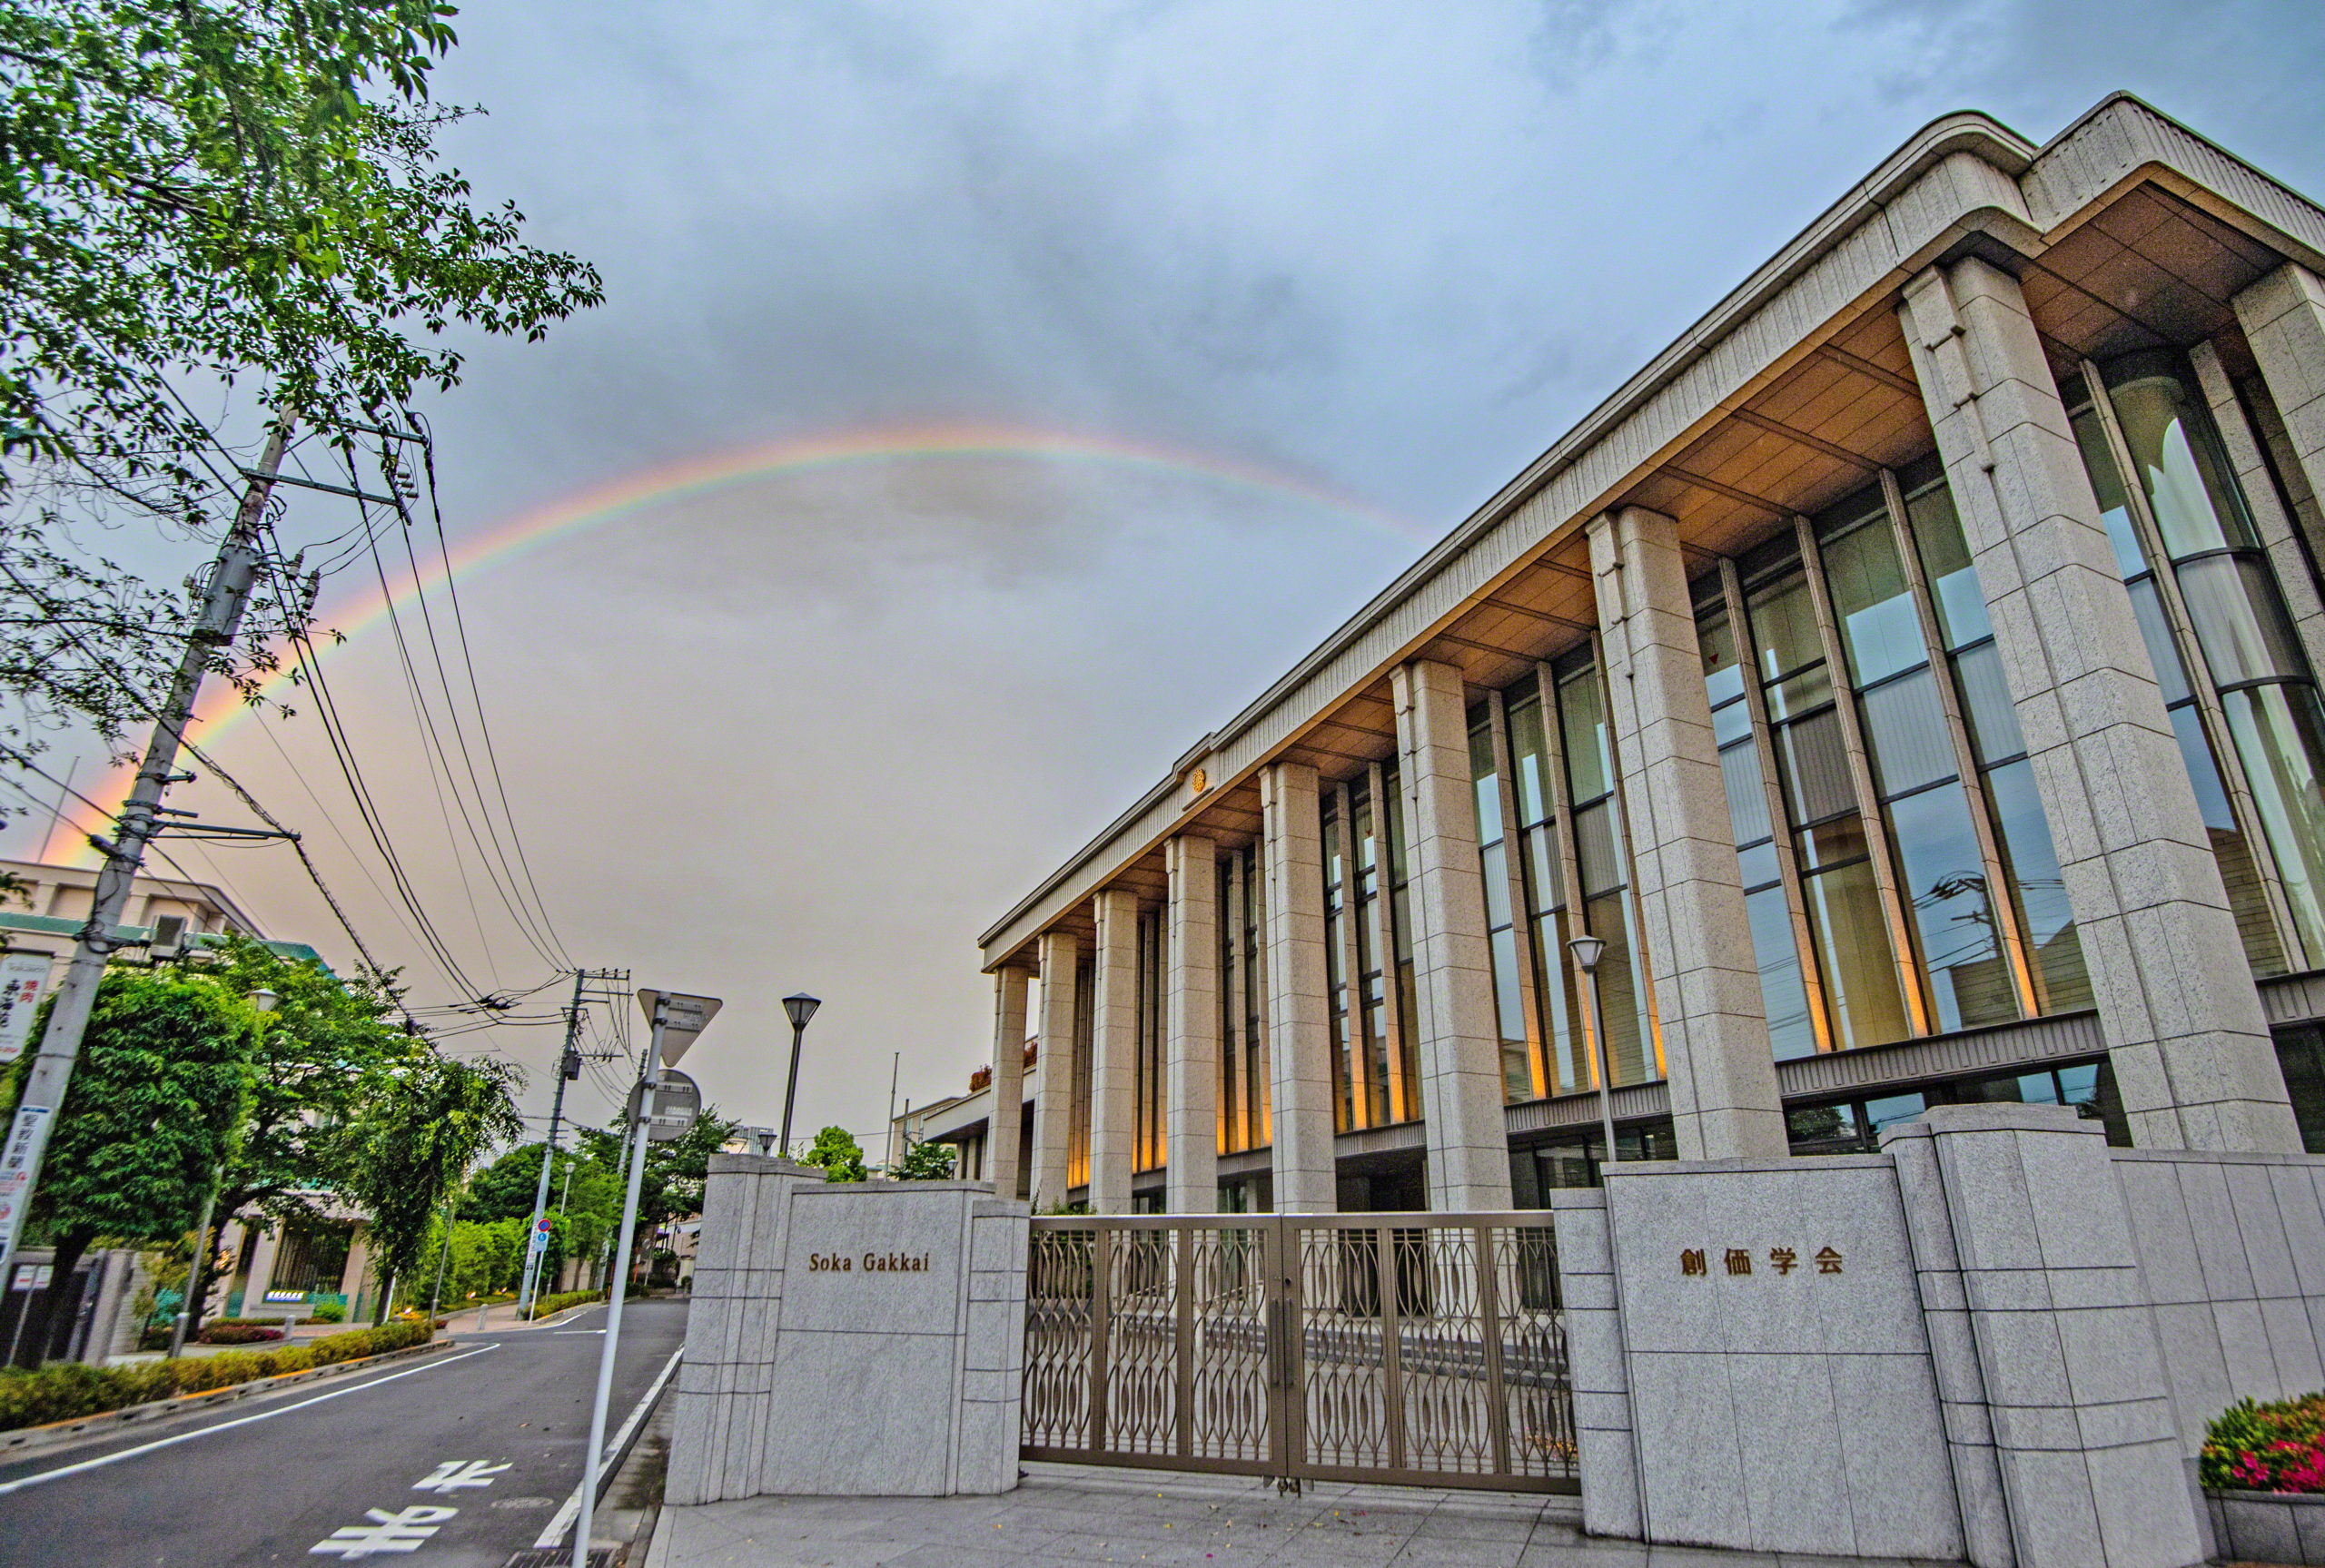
{"x": 646, "y": 489}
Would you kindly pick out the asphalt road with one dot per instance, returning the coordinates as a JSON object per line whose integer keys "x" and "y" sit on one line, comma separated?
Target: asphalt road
{"x": 498, "y": 1425}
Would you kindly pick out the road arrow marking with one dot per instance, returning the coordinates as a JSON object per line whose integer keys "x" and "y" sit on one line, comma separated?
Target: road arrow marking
{"x": 403, "y": 1531}
{"x": 456, "y": 1474}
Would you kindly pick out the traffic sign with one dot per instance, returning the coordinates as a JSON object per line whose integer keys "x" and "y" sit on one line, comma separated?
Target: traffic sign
{"x": 684, "y": 1018}
{"x": 541, "y": 1234}
{"x": 677, "y": 1101}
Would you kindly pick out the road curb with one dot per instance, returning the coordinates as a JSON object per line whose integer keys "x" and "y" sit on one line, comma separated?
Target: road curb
{"x": 28, "y": 1442}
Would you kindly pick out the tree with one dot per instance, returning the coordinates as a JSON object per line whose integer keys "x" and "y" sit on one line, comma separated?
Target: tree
{"x": 839, "y": 1155}
{"x": 671, "y": 1188}
{"x": 926, "y": 1162}
{"x": 414, "y": 1137}
{"x": 154, "y": 1108}
{"x": 504, "y": 1189}
{"x": 204, "y": 195}
{"x": 327, "y": 1041}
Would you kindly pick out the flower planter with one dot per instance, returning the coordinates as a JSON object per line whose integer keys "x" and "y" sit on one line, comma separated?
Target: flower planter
{"x": 2268, "y": 1526}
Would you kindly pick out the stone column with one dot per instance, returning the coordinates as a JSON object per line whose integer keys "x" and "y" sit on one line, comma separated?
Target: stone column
{"x": 261, "y": 1275}
{"x": 1459, "y": 1043}
{"x": 1724, "y": 1100}
{"x": 1190, "y": 1026}
{"x": 2186, "y": 1035}
{"x": 1300, "y": 1069}
{"x": 2019, "y": 1203}
{"x": 2277, "y": 526}
{"x": 2283, "y": 318}
{"x": 359, "y": 1266}
{"x": 1053, "y": 1070}
{"x": 1113, "y": 1053}
{"x": 1007, "y": 1123}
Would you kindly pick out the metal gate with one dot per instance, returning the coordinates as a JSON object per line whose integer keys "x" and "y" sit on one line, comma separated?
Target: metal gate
{"x": 1422, "y": 1348}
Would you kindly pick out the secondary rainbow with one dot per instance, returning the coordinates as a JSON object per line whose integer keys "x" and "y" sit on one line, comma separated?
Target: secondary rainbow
{"x": 658, "y": 486}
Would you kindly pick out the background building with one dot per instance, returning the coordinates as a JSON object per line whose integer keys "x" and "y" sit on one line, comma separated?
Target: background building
{"x": 1909, "y": 677}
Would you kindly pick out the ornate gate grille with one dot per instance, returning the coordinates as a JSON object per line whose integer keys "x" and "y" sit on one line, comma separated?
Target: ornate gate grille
{"x": 1428, "y": 1348}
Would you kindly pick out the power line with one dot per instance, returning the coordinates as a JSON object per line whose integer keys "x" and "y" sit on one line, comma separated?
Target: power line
{"x": 468, "y": 660}
{"x": 424, "y": 714}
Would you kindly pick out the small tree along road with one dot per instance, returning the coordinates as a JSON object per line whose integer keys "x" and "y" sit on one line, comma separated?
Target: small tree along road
{"x": 158, "y": 1104}
{"x": 414, "y": 1137}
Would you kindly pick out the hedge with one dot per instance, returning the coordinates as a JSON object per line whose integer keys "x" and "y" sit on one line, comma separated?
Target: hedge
{"x": 68, "y": 1389}
{"x": 546, "y": 1305}
{"x": 2277, "y": 1448}
{"x": 237, "y": 1333}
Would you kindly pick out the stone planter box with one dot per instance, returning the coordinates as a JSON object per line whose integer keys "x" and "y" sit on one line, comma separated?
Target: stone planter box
{"x": 2268, "y": 1526}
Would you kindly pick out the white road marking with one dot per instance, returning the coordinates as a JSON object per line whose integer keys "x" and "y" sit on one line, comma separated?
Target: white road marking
{"x": 103, "y": 1460}
{"x": 554, "y": 1532}
{"x": 400, "y": 1531}
{"x": 456, "y": 1474}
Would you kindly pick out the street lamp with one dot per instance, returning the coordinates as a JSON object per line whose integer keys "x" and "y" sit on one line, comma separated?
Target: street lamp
{"x": 799, "y": 1008}
{"x": 261, "y": 1000}
{"x": 1587, "y": 950}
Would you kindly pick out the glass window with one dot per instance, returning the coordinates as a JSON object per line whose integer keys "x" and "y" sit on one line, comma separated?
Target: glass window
{"x": 2197, "y": 506}
{"x": 1994, "y": 735}
{"x": 1528, "y": 756}
{"x": 1621, "y": 1005}
{"x": 1783, "y": 624}
{"x": 1880, "y": 629}
{"x": 2237, "y": 619}
{"x": 1851, "y": 941}
{"x": 2301, "y": 1054}
{"x": 2045, "y": 917}
{"x": 1582, "y": 721}
{"x": 1904, "y": 729}
{"x": 2277, "y": 731}
{"x": 1944, "y": 882}
{"x": 1501, "y": 917}
{"x": 1812, "y": 762}
{"x": 1825, "y": 1129}
{"x": 1945, "y": 561}
{"x": 1890, "y": 1111}
{"x": 1791, "y": 1032}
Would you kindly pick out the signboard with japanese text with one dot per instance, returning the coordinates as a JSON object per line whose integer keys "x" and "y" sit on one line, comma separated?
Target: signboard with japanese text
{"x": 22, "y": 977}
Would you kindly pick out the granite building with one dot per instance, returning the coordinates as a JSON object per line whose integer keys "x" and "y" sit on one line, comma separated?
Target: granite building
{"x": 1908, "y": 678}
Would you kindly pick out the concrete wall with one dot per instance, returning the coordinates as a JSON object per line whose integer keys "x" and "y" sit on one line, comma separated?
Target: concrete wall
{"x": 1997, "y": 1341}
{"x": 2232, "y": 1250}
{"x": 1779, "y": 1402}
{"x": 804, "y": 1377}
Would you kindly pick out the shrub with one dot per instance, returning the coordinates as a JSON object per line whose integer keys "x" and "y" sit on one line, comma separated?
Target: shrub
{"x": 331, "y": 1312}
{"x": 235, "y": 1333}
{"x": 69, "y": 1389}
{"x": 2277, "y": 1448}
{"x": 547, "y": 1306}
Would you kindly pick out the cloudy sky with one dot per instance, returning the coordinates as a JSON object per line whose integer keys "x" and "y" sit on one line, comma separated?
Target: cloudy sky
{"x": 1260, "y": 297}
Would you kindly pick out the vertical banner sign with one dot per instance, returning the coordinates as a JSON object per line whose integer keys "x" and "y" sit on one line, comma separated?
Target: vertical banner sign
{"x": 22, "y": 977}
{"x": 24, "y": 1143}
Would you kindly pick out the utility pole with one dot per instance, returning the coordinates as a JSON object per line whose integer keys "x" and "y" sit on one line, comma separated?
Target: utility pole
{"x": 568, "y": 1066}
{"x": 231, "y": 577}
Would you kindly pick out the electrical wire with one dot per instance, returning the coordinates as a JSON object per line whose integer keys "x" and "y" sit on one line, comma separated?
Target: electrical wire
{"x": 424, "y": 715}
{"x": 468, "y": 660}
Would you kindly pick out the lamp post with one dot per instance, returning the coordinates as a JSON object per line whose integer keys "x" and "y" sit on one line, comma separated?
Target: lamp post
{"x": 799, "y": 1008}
{"x": 1587, "y": 950}
{"x": 263, "y": 1001}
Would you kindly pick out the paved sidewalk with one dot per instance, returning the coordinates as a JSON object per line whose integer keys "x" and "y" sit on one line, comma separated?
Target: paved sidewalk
{"x": 1067, "y": 1513}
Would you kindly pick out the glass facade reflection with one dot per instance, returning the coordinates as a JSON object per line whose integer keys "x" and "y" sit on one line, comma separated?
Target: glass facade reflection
{"x": 2203, "y": 746}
